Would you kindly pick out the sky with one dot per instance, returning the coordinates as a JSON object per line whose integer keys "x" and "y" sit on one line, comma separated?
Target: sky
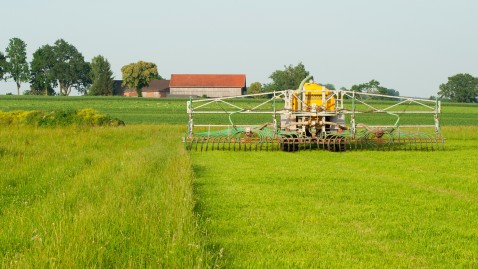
{"x": 411, "y": 46}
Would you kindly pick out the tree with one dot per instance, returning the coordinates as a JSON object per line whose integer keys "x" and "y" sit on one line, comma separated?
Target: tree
{"x": 329, "y": 86}
{"x": 70, "y": 68}
{"x": 289, "y": 78}
{"x": 2, "y": 65}
{"x": 255, "y": 87}
{"x": 370, "y": 87}
{"x": 138, "y": 75}
{"x": 392, "y": 92}
{"x": 460, "y": 88}
{"x": 17, "y": 65}
{"x": 101, "y": 77}
{"x": 42, "y": 79}
{"x": 373, "y": 86}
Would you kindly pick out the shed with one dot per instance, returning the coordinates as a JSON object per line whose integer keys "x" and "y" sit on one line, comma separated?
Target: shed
{"x": 209, "y": 85}
{"x": 156, "y": 88}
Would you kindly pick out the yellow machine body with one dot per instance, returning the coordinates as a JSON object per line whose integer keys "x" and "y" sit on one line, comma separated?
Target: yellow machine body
{"x": 315, "y": 94}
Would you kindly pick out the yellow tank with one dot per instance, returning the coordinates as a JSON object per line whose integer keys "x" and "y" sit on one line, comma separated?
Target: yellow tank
{"x": 313, "y": 95}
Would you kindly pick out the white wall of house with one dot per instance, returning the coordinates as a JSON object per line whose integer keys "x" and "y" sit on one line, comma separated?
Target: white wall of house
{"x": 209, "y": 92}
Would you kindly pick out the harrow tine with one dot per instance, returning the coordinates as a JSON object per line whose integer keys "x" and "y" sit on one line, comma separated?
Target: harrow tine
{"x": 186, "y": 141}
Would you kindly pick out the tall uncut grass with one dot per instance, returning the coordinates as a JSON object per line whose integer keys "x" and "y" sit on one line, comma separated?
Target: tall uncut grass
{"x": 97, "y": 197}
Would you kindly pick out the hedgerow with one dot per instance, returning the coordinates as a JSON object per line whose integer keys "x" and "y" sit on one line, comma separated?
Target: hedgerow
{"x": 59, "y": 117}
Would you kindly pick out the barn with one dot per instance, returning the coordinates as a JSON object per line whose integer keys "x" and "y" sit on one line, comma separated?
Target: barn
{"x": 156, "y": 88}
{"x": 208, "y": 85}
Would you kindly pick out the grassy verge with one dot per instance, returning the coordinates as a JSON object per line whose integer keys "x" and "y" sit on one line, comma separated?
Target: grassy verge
{"x": 353, "y": 209}
{"x": 97, "y": 197}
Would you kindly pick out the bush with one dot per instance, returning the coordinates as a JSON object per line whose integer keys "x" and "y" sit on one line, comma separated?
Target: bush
{"x": 81, "y": 117}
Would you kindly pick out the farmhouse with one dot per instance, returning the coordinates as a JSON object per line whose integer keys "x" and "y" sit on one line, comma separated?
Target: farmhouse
{"x": 209, "y": 85}
{"x": 156, "y": 88}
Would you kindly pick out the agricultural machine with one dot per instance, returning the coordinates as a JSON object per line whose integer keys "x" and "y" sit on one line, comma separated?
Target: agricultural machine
{"x": 313, "y": 117}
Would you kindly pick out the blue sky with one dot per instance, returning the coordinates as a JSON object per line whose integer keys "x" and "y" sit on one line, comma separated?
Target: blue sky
{"x": 410, "y": 46}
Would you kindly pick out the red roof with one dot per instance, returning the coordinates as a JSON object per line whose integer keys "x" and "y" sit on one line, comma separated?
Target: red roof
{"x": 201, "y": 80}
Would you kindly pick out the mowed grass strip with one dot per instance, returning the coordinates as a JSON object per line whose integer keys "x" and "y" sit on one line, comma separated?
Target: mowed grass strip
{"x": 315, "y": 209}
{"x": 97, "y": 197}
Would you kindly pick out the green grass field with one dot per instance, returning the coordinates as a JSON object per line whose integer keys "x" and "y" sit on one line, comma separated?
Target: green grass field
{"x": 133, "y": 197}
{"x": 98, "y": 197}
{"x": 357, "y": 209}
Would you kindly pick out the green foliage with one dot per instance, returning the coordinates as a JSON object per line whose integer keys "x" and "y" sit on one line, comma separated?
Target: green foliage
{"x": 138, "y": 75}
{"x": 374, "y": 87}
{"x": 70, "y": 68}
{"x": 81, "y": 117}
{"x": 255, "y": 87}
{"x": 101, "y": 77}
{"x": 42, "y": 79}
{"x": 16, "y": 65}
{"x": 287, "y": 79}
{"x": 329, "y": 86}
{"x": 37, "y": 91}
{"x": 461, "y": 88}
{"x": 2, "y": 65}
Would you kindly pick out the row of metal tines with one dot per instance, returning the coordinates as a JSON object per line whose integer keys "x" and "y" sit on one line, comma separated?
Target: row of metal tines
{"x": 334, "y": 143}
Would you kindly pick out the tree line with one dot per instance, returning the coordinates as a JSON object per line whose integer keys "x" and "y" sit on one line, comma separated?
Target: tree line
{"x": 62, "y": 66}
{"x": 292, "y": 76}
{"x": 459, "y": 88}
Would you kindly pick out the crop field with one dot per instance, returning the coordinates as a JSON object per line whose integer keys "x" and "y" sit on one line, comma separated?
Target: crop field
{"x": 132, "y": 196}
{"x": 173, "y": 111}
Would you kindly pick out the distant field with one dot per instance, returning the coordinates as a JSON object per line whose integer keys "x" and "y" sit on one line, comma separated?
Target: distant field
{"x": 132, "y": 196}
{"x": 173, "y": 111}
